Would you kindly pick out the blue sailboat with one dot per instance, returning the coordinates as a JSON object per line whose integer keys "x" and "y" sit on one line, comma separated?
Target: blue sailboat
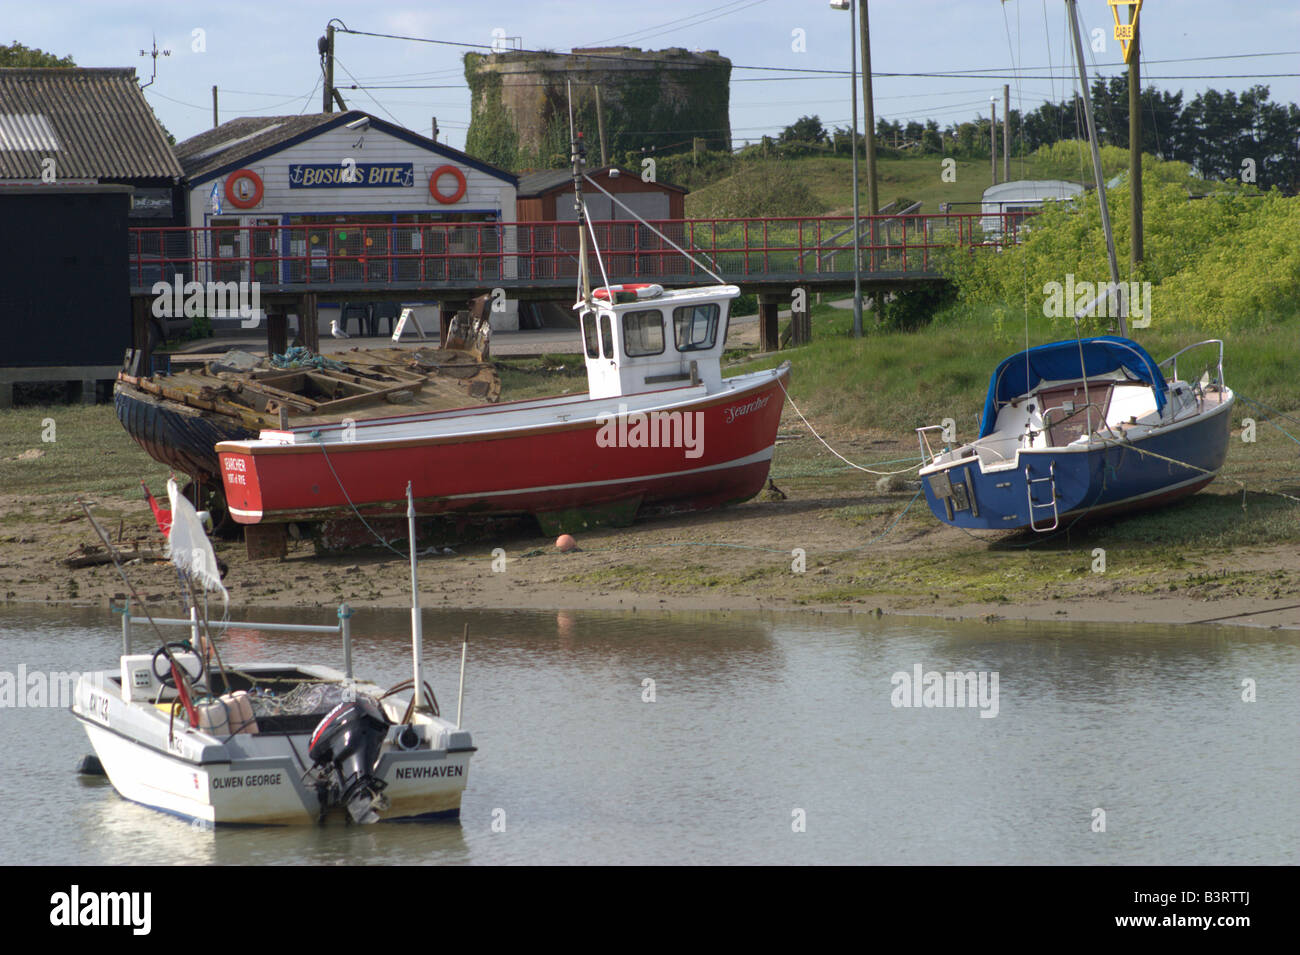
{"x": 1085, "y": 426}
{"x": 1078, "y": 428}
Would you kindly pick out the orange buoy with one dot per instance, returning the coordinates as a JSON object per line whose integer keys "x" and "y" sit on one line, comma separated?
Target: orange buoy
{"x": 565, "y": 544}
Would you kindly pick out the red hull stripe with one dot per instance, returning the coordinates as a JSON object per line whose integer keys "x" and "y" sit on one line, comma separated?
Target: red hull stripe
{"x": 538, "y": 493}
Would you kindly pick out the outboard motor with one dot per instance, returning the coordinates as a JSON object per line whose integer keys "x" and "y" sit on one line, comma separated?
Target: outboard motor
{"x": 348, "y": 739}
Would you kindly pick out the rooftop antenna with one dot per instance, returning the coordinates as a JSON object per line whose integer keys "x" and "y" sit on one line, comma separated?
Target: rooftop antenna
{"x": 154, "y": 54}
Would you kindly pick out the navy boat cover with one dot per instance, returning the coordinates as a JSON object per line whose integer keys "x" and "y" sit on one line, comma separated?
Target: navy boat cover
{"x": 1059, "y": 361}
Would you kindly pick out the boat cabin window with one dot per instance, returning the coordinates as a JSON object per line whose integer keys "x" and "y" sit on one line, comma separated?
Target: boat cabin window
{"x": 606, "y": 337}
{"x": 696, "y": 326}
{"x": 643, "y": 333}
{"x": 589, "y": 336}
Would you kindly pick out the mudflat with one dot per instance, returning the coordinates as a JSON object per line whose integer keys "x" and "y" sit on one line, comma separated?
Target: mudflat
{"x": 825, "y": 537}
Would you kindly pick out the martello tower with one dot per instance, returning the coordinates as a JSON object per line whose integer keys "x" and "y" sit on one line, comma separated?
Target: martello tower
{"x": 649, "y": 102}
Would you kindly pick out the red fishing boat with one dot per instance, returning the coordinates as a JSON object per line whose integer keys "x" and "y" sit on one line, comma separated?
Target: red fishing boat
{"x": 659, "y": 426}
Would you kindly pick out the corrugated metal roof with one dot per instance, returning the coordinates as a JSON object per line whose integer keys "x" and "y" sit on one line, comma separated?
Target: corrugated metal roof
{"x": 27, "y": 131}
{"x": 98, "y": 119}
{"x": 240, "y": 138}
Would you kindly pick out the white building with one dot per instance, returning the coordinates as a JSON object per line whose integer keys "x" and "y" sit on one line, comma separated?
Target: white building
{"x": 334, "y": 196}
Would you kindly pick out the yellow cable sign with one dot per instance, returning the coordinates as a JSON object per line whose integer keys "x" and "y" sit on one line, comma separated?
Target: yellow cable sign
{"x": 1124, "y": 31}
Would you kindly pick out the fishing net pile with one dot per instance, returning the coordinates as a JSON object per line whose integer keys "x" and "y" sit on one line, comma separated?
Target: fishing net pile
{"x": 299, "y": 357}
{"x": 306, "y": 698}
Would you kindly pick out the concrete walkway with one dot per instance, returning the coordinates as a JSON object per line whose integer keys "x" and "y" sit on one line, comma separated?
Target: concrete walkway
{"x": 742, "y": 332}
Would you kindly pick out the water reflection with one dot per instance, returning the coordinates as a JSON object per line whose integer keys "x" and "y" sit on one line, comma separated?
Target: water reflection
{"x": 752, "y": 718}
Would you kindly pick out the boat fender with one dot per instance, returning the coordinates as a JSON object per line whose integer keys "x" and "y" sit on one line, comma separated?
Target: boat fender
{"x": 91, "y": 766}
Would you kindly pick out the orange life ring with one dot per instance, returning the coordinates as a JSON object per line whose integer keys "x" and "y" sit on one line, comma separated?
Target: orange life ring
{"x": 442, "y": 197}
{"x": 238, "y": 201}
{"x": 642, "y": 290}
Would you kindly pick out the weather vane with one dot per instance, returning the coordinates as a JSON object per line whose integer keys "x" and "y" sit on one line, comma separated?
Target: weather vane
{"x": 154, "y": 54}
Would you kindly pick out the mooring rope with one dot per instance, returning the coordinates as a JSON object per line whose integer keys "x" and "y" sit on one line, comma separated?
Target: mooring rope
{"x": 859, "y": 467}
{"x": 1273, "y": 411}
{"x": 339, "y": 482}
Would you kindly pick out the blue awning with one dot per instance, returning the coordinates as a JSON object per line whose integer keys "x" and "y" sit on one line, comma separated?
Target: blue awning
{"x": 1059, "y": 361}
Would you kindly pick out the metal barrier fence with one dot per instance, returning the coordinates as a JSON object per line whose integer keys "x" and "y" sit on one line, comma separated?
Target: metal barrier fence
{"x": 476, "y": 253}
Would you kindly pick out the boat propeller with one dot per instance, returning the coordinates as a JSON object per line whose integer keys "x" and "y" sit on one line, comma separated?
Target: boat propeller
{"x": 347, "y": 741}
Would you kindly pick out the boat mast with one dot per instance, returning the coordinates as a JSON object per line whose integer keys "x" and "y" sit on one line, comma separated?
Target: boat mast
{"x": 1072, "y": 6}
{"x": 577, "y": 155}
{"x": 417, "y": 625}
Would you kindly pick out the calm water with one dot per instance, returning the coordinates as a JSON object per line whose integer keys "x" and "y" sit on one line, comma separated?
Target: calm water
{"x": 756, "y": 716}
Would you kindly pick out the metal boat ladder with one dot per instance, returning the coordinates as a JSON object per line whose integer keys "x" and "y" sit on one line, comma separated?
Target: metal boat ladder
{"x": 1050, "y": 481}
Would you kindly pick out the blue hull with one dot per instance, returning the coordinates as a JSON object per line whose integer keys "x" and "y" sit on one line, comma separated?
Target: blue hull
{"x": 1107, "y": 478}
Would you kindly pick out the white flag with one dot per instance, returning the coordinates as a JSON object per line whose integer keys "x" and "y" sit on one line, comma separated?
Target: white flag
{"x": 188, "y": 544}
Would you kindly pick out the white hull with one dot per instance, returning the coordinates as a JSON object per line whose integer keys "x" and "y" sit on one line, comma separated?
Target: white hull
{"x": 255, "y": 779}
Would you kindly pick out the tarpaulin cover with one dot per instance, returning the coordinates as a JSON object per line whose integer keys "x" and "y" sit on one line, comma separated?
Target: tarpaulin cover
{"x": 1059, "y": 361}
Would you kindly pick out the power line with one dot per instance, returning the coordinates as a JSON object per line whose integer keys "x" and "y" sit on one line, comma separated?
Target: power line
{"x": 648, "y": 34}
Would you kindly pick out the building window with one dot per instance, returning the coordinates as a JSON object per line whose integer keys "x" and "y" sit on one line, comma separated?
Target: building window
{"x": 643, "y": 333}
{"x": 606, "y": 337}
{"x": 589, "y": 336}
{"x": 696, "y": 326}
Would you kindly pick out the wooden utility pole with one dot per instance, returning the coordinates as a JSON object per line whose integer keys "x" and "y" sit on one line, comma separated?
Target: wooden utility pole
{"x": 215, "y": 122}
{"x": 600, "y": 129}
{"x": 873, "y": 198}
{"x": 1006, "y": 132}
{"x": 1073, "y": 12}
{"x": 327, "y": 95}
{"x": 993, "y": 138}
{"x": 1135, "y": 144}
{"x": 868, "y": 104}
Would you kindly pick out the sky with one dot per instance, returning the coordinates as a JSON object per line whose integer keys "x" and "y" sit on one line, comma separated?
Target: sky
{"x": 262, "y": 55}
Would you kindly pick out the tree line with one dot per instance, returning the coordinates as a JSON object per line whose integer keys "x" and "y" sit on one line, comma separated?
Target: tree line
{"x": 1216, "y": 133}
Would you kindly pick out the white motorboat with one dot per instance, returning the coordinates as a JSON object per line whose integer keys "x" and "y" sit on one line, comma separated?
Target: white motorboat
{"x": 178, "y": 730}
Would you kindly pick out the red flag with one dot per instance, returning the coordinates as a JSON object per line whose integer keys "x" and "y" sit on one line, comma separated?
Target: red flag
{"x": 162, "y": 515}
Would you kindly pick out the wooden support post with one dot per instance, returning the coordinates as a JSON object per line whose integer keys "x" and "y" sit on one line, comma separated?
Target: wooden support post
{"x": 308, "y": 322}
{"x": 140, "y": 332}
{"x": 769, "y": 306}
{"x": 446, "y": 312}
{"x": 277, "y": 330}
{"x": 800, "y": 325}
{"x": 266, "y": 541}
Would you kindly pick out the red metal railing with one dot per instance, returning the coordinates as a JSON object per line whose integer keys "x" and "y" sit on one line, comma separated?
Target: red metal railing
{"x": 475, "y": 253}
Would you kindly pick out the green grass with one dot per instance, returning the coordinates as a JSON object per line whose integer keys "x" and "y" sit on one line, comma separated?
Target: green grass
{"x": 541, "y": 376}
{"x": 919, "y": 179}
{"x": 89, "y": 455}
{"x": 898, "y": 381}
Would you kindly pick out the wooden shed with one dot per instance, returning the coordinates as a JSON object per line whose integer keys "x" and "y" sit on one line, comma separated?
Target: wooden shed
{"x": 547, "y": 196}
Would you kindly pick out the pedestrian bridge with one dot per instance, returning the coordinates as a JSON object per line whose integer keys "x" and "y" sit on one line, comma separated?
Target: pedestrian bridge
{"x": 533, "y": 260}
